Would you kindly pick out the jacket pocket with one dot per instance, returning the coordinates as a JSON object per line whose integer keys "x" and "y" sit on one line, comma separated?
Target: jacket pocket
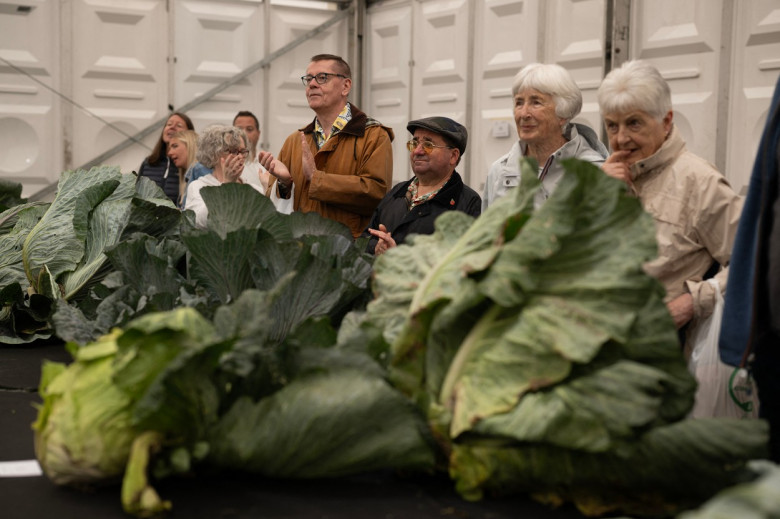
{"x": 510, "y": 180}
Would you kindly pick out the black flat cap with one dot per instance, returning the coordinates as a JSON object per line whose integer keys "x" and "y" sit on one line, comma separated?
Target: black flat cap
{"x": 455, "y": 133}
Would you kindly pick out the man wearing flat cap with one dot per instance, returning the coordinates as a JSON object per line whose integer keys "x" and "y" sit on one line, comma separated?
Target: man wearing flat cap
{"x": 411, "y": 207}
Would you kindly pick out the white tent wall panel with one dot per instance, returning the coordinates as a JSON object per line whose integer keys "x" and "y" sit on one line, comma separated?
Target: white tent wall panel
{"x": 574, "y": 39}
{"x": 214, "y": 41}
{"x": 288, "y": 109}
{"x": 127, "y": 61}
{"x": 30, "y": 141}
{"x": 506, "y": 37}
{"x": 683, "y": 40}
{"x": 388, "y": 74}
{"x": 440, "y": 65}
{"x": 756, "y": 65}
{"x": 119, "y": 72}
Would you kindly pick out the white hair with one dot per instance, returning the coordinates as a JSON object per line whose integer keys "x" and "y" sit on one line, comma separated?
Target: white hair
{"x": 636, "y": 85}
{"x": 553, "y": 80}
{"x": 217, "y": 139}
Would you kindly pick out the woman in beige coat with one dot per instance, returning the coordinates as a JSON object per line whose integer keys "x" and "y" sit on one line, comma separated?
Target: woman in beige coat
{"x": 695, "y": 210}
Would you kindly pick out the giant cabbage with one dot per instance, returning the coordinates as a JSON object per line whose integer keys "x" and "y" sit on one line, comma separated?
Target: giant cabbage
{"x": 544, "y": 356}
{"x": 57, "y": 251}
{"x": 529, "y": 346}
{"x": 257, "y": 384}
{"x": 247, "y": 244}
{"x": 152, "y": 377}
{"x": 139, "y": 401}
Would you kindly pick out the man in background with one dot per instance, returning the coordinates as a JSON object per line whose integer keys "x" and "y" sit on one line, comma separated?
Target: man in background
{"x": 340, "y": 164}
{"x": 253, "y": 173}
{"x": 247, "y": 121}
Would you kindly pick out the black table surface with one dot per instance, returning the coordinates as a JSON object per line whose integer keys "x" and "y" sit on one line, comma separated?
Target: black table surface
{"x": 224, "y": 496}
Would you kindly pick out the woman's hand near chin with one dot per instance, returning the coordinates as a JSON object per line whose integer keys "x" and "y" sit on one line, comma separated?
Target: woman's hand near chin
{"x": 616, "y": 166}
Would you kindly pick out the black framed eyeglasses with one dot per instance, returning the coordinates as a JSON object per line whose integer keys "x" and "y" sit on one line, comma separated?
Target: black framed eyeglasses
{"x": 245, "y": 153}
{"x": 321, "y": 78}
{"x": 427, "y": 146}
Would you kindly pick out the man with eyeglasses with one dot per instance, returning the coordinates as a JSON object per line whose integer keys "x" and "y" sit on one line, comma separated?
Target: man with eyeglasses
{"x": 435, "y": 150}
{"x": 341, "y": 164}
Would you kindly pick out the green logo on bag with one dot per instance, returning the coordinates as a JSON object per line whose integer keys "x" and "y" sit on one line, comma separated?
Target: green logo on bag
{"x": 741, "y": 389}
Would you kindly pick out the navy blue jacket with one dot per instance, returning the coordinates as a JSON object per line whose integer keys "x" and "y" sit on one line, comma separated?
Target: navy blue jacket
{"x": 752, "y": 308}
{"x": 169, "y": 184}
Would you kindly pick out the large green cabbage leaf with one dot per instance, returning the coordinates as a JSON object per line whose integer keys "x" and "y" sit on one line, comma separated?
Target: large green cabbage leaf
{"x": 323, "y": 424}
{"x": 247, "y": 245}
{"x": 24, "y": 317}
{"x": 132, "y": 204}
{"x": 152, "y": 376}
{"x": 145, "y": 280}
{"x": 759, "y": 499}
{"x": 84, "y": 428}
{"x": 669, "y": 467}
{"x": 537, "y": 333}
{"x": 235, "y": 206}
{"x": 173, "y": 385}
{"x": 17, "y": 223}
{"x": 58, "y": 250}
{"x": 195, "y": 378}
{"x": 57, "y": 241}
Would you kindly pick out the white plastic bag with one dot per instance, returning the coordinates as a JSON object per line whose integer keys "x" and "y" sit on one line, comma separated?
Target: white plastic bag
{"x": 724, "y": 391}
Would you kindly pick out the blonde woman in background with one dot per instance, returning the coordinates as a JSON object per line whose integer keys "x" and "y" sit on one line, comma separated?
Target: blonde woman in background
{"x": 182, "y": 149}
{"x": 158, "y": 166}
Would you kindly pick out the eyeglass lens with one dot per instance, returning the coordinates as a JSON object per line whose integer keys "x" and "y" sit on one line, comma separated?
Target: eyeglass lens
{"x": 427, "y": 146}
{"x": 321, "y": 78}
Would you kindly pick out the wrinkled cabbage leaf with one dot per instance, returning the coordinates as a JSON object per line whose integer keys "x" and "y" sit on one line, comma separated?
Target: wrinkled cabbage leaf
{"x": 535, "y": 333}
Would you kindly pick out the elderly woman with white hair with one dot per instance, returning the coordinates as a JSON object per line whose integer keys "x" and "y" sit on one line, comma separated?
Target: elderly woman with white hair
{"x": 223, "y": 149}
{"x": 695, "y": 210}
{"x": 546, "y": 99}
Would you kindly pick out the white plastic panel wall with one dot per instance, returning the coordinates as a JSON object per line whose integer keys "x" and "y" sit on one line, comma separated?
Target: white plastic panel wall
{"x": 574, "y": 39}
{"x": 756, "y": 65}
{"x": 287, "y": 103}
{"x": 506, "y": 39}
{"x": 119, "y": 73}
{"x": 30, "y": 150}
{"x": 683, "y": 40}
{"x": 215, "y": 40}
{"x": 440, "y": 72}
{"x": 388, "y": 73}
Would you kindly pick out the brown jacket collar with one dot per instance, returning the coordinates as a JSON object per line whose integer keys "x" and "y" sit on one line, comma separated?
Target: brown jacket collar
{"x": 356, "y": 126}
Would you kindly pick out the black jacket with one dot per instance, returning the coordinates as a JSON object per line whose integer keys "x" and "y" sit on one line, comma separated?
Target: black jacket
{"x": 169, "y": 184}
{"x": 393, "y": 210}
